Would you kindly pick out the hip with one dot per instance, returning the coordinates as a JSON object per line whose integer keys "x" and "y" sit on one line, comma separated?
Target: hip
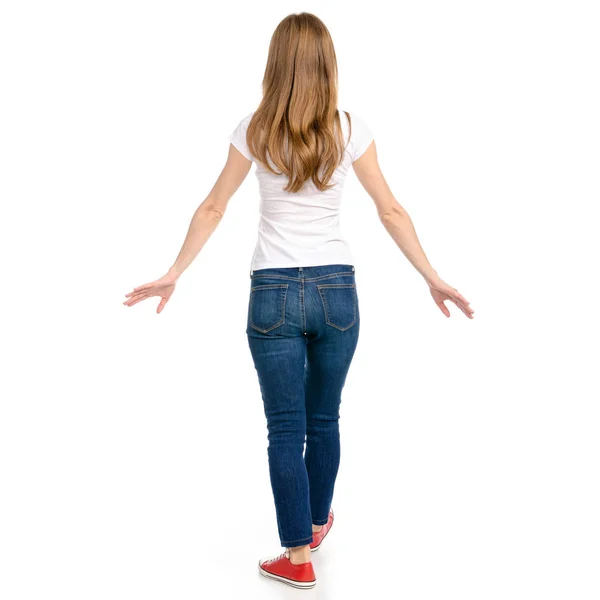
{"x": 310, "y": 300}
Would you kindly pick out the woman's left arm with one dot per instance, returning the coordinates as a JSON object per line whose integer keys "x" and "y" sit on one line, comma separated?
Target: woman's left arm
{"x": 205, "y": 220}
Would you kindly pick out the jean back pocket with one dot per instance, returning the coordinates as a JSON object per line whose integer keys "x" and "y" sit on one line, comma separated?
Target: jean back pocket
{"x": 267, "y": 306}
{"x": 339, "y": 304}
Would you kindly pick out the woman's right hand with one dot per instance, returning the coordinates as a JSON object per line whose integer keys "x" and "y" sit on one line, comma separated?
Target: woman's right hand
{"x": 163, "y": 287}
{"x": 441, "y": 291}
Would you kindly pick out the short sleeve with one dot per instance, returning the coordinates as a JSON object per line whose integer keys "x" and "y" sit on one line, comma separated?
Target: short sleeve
{"x": 361, "y": 136}
{"x": 238, "y": 137}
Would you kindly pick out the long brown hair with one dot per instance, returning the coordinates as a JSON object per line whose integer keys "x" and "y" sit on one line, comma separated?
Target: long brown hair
{"x": 297, "y": 121}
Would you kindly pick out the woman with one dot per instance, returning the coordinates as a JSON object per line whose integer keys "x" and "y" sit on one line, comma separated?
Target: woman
{"x": 303, "y": 314}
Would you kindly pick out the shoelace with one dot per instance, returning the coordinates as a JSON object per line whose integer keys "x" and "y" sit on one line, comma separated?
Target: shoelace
{"x": 286, "y": 554}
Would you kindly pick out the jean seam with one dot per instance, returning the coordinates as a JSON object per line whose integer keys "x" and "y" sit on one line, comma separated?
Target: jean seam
{"x": 287, "y": 277}
{"x": 269, "y": 286}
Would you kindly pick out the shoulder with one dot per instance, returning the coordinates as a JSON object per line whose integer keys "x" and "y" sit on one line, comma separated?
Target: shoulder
{"x": 356, "y": 122}
{"x": 246, "y": 119}
{"x": 361, "y": 134}
{"x": 241, "y": 125}
{"x": 238, "y": 135}
{"x": 355, "y": 118}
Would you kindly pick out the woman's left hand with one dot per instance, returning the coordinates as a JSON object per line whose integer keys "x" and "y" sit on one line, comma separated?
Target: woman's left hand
{"x": 163, "y": 287}
{"x": 441, "y": 291}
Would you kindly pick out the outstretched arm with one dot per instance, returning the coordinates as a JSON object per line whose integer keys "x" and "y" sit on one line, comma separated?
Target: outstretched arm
{"x": 210, "y": 212}
{"x": 399, "y": 225}
{"x": 205, "y": 220}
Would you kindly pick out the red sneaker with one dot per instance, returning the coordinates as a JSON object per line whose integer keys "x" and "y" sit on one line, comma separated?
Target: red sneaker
{"x": 319, "y": 536}
{"x": 280, "y": 568}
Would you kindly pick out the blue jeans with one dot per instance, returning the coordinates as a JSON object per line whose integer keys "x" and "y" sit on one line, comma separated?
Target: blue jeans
{"x": 302, "y": 329}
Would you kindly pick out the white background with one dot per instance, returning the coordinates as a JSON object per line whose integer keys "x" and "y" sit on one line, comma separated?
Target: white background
{"x": 133, "y": 445}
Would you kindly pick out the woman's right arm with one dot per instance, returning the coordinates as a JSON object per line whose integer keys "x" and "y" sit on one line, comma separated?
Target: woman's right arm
{"x": 399, "y": 225}
{"x": 204, "y": 222}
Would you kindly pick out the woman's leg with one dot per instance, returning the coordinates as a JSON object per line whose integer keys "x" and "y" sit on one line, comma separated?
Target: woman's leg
{"x": 279, "y": 363}
{"x": 329, "y": 354}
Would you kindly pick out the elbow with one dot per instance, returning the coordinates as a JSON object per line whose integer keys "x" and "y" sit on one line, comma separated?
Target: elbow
{"x": 392, "y": 214}
{"x": 212, "y": 212}
{"x": 215, "y": 214}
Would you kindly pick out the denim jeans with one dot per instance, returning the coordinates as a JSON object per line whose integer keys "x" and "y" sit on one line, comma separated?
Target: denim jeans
{"x": 302, "y": 329}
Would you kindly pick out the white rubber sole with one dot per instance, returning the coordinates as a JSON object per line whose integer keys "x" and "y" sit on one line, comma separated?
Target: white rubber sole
{"x": 301, "y": 585}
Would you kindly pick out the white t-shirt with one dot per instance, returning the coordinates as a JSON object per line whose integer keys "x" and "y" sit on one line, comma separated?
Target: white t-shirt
{"x": 302, "y": 229}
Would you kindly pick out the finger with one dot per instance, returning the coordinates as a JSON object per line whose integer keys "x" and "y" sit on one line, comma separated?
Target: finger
{"x": 138, "y": 294}
{"x": 443, "y": 308}
{"x": 460, "y": 301}
{"x": 142, "y": 287}
{"x": 467, "y": 313}
{"x": 466, "y": 309}
{"x": 133, "y": 301}
{"x": 461, "y": 298}
{"x": 161, "y": 305}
